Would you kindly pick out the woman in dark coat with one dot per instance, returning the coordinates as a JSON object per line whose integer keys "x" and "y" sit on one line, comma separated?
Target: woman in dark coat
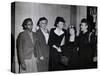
{"x": 56, "y": 36}
{"x": 85, "y": 42}
{"x": 71, "y": 49}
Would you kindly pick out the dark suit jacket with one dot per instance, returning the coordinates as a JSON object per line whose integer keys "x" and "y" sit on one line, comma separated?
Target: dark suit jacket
{"x": 43, "y": 48}
{"x": 25, "y": 46}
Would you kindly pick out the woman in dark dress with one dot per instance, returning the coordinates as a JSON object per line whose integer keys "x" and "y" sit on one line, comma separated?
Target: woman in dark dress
{"x": 56, "y": 36}
{"x": 71, "y": 49}
{"x": 85, "y": 42}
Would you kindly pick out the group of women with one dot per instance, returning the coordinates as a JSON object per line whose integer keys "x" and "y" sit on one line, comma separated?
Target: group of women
{"x": 59, "y": 49}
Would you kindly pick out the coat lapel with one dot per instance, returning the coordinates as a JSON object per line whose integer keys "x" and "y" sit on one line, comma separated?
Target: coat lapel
{"x": 42, "y": 35}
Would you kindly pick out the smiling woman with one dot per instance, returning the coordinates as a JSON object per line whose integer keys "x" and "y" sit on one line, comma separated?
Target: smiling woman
{"x": 25, "y": 48}
{"x": 56, "y": 36}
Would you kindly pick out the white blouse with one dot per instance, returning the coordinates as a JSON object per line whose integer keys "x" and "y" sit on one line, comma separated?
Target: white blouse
{"x": 46, "y": 35}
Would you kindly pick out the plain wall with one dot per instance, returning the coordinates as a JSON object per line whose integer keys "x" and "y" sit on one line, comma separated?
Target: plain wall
{"x": 81, "y": 13}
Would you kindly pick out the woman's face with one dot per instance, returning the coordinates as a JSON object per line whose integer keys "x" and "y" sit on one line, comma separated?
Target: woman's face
{"x": 83, "y": 26}
{"x": 43, "y": 24}
{"x": 72, "y": 31}
{"x": 60, "y": 25}
{"x": 29, "y": 25}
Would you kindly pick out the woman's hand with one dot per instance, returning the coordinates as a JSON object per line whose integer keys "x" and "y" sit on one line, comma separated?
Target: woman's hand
{"x": 23, "y": 65}
{"x": 41, "y": 58}
{"x": 57, "y": 48}
{"x": 54, "y": 46}
{"x": 95, "y": 59}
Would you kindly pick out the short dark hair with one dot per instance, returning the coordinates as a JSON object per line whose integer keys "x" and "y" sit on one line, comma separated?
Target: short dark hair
{"x": 25, "y": 23}
{"x": 84, "y": 20}
{"x": 59, "y": 19}
{"x": 40, "y": 19}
